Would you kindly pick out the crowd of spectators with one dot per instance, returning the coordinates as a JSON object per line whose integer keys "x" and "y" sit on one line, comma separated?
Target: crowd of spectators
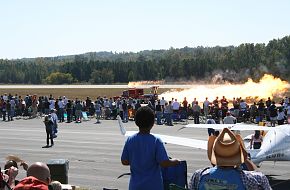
{"x": 166, "y": 111}
{"x": 68, "y": 110}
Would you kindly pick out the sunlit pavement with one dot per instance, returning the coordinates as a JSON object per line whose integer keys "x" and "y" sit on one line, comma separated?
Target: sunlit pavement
{"x": 93, "y": 151}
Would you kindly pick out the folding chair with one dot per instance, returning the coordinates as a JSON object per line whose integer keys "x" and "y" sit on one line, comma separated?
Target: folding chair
{"x": 175, "y": 175}
{"x": 176, "y": 187}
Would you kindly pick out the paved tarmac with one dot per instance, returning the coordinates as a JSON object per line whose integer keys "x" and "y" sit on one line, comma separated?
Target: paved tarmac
{"x": 93, "y": 151}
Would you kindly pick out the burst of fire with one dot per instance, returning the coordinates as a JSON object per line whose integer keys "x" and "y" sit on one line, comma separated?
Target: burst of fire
{"x": 268, "y": 86}
{"x": 140, "y": 83}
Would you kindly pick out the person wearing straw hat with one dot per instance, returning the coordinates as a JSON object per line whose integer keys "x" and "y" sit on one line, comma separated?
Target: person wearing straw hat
{"x": 227, "y": 153}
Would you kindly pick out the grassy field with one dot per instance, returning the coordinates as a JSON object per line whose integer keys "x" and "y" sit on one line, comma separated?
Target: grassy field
{"x": 83, "y": 93}
{"x": 72, "y": 93}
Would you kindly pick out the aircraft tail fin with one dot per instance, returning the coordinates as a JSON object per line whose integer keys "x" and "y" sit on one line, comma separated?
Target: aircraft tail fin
{"x": 121, "y": 126}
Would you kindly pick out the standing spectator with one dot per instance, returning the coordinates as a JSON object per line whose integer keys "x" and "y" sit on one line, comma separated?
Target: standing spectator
{"x": 206, "y": 104}
{"x": 88, "y": 103}
{"x": 8, "y": 110}
{"x": 243, "y": 109}
{"x": 61, "y": 107}
{"x": 261, "y": 110}
{"x": 210, "y": 120}
{"x": 162, "y": 102}
{"x": 121, "y": 112}
{"x": 125, "y": 111}
{"x": 51, "y": 103}
{"x": 5, "y": 97}
{"x": 13, "y": 105}
{"x": 46, "y": 106}
{"x": 224, "y": 106}
{"x": 1, "y": 104}
{"x": 196, "y": 112}
{"x": 168, "y": 111}
{"x": 272, "y": 110}
{"x": 184, "y": 104}
{"x": 288, "y": 113}
{"x": 146, "y": 154}
{"x": 65, "y": 100}
{"x": 256, "y": 140}
{"x": 193, "y": 102}
{"x": 236, "y": 106}
{"x": 3, "y": 109}
{"x": 281, "y": 116}
{"x": 175, "y": 106}
{"x": 253, "y": 112}
{"x": 227, "y": 154}
{"x": 216, "y": 102}
{"x": 69, "y": 111}
{"x": 268, "y": 102}
{"x": 54, "y": 120}
{"x": 98, "y": 108}
{"x": 34, "y": 103}
{"x": 138, "y": 105}
{"x": 229, "y": 119}
{"x": 151, "y": 105}
{"x": 49, "y": 130}
{"x": 158, "y": 112}
{"x": 78, "y": 111}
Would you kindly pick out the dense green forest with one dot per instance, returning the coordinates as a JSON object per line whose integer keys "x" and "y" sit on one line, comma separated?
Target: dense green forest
{"x": 233, "y": 64}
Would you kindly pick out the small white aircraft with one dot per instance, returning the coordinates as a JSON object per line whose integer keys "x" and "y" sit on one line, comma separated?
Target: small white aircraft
{"x": 275, "y": 146}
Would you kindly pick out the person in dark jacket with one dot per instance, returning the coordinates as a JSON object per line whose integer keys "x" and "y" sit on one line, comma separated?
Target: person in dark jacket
{"x": 48, "y": 127}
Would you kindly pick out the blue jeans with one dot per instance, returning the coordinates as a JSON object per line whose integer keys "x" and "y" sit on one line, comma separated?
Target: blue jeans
{"x": 169, "y": 119}
{"x": 159, "y": 115}
{"x": 125, "y": 116}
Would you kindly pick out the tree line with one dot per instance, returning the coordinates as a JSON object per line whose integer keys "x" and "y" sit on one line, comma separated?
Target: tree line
{"x": 208, "y": 64}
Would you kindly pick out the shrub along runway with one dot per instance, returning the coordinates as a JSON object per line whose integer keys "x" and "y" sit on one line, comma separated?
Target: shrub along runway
{"x": 93, "y": 151}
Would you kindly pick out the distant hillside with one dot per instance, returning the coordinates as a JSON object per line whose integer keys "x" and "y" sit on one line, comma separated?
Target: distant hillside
{"x": 208, "y": 64}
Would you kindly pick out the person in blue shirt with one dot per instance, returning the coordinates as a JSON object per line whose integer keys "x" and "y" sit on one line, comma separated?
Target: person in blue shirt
{"x": 226, "y": 153}
{"x": 146, "y": 154}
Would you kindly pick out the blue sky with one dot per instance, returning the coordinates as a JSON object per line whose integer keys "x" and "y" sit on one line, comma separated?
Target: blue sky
{"x": 40, "y": 28}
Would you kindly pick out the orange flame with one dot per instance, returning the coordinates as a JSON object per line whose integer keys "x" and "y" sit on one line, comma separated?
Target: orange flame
{"x": 268, "y": 86}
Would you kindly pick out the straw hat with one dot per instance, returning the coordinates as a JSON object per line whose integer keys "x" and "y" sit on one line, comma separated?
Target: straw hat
{"x": 227, "y": 149}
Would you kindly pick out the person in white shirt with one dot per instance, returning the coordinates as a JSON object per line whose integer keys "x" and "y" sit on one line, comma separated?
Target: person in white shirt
{"x": 175, "y": 106}
{"x": 61, "y": 107}
{"x": 5, "y": 97}
{"x": 162, "y": 102}
{"x": 65, "y": 100}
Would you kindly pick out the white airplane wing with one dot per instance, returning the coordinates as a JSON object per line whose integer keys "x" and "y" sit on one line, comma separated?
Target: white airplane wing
{"x": 193, "y": 143}
{"x": 239, "y": 126}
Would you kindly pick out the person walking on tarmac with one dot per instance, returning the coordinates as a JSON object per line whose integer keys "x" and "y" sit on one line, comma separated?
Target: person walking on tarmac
{"x": 256, "y": 140}
{"x": 48, "y": 128}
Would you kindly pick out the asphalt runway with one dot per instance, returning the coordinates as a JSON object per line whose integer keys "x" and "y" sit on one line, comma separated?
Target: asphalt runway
{"x": 94, "y": 150}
